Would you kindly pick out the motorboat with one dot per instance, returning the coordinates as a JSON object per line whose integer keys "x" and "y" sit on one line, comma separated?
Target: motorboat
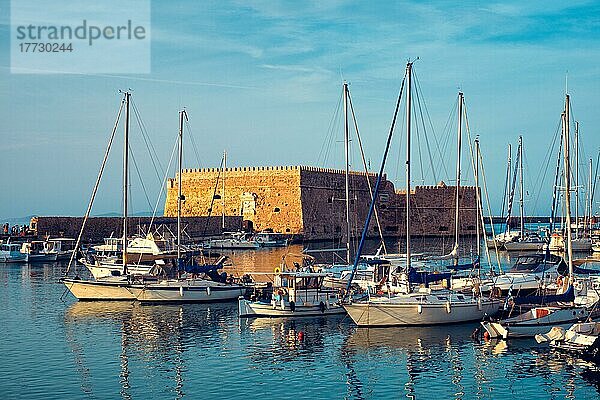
{"x": 581, "y": 244}
{"x": 268, "y": 239}
{"x": 62, "y": 248}
{"x": 11, "y": 253}
{"x": 233, "y": 240}
{"x": 37, "y": 251}
{"x": 581, "y": 339}
{"x": 294, "y": 294}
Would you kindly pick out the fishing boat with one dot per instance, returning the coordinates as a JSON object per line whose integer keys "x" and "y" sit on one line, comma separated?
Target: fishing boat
{"x": 11, "y": 253}
{"x": 581, "y": 339}
{"x": 191, "y": 283}
{"x": 416, "y": 304}
{"x": 36, "y": 251}
{"x": 294, "y": 294}
{"x": 62, "y": 248}
{"x": 563, "y": 311}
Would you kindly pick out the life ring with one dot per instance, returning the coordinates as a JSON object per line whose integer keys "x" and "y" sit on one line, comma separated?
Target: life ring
{"x": 277, "y": 270}
{"x": 292, "y": 306}
{"x": 322, "y": 307}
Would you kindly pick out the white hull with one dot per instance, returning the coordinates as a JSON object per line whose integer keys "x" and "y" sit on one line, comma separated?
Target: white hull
{"x": 176, "y": 291}
{"x": 530, "y": 327}
{"x": 98, "y": 290}
{"x": 524, "y": 246}
{"x": 254, "y": 309}
{"x": 232, "y": 244}
{"x": 188, "y": 291}
{"x": 407, "y": 314}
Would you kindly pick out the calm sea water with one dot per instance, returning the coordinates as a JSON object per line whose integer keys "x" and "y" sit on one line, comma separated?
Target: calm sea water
{"x": 54, "y": 349}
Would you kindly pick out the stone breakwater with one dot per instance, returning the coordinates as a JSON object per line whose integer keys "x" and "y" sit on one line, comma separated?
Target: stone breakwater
{"x": 98, "y": 228}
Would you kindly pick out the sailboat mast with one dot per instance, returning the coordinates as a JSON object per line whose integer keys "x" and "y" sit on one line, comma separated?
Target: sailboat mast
{"x": 508, "y": 189}
{"x": 577, "y": 179}
{"x": 458, "y": 148}
{"x": 182, "y": 114}
{"x": 347, "y": 158}
{"x": 477, "y": 198}
{"x": 567, "y": 176}
{"x": 589, "y": 201}
{"x": 408, "y": 115}
{"x": 223, "y": 196}
{"x": 125, "y": 179}
{"x": 521, "y": 187}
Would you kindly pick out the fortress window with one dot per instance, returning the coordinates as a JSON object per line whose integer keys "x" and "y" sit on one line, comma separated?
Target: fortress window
{"x": 287, "y": 230}
{"x": 217, "y": 197}
{"x": 276, "y": 209}
{"x": 330, "y": 200}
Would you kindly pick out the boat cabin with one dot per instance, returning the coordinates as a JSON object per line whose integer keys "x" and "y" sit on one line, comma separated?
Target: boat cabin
{"x": 535, "y": 263}
{"x": 301, "y": 288}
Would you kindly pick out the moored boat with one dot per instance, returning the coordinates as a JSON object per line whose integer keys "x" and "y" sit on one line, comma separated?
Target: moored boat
{"x": 11, "y": 253}
{"x": 294, "y": 294}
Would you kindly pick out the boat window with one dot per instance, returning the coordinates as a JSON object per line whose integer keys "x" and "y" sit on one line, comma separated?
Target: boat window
{"x": 442, "y": 297}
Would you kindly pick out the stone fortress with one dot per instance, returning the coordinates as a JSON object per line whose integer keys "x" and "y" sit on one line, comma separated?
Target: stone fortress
{"x": 309, "y": 202}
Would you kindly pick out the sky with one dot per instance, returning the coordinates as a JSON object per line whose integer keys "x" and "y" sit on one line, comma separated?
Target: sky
{"x": 262, "y": 80}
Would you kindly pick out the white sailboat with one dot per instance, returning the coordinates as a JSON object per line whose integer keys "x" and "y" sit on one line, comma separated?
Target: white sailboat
{"x": 156, "y": 290}
{"x": 540, "y": 319}
{"x": 424, "y": 306}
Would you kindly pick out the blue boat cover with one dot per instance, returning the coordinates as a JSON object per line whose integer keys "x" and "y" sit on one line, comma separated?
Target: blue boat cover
{"x": 567, "y": 296}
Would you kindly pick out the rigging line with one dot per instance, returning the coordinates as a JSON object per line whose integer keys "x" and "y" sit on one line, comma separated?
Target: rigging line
{"x": 512, "y": 189}
{"x": 212, "y": 201}
{"x": 489, "y": 209}
{"x": 447, "y": 133}
{"x": 506, "y": 184}
{"x": 149, "y": 146}
{"x": 364, "y": 161}
{"x": 435, "y": 138}
{"x": 595, "y": 181}
{"x": 95, "y": 189}
{"x": 140, "y": 177}
{"x": 419, "y": 95}
{"x": 541, "y": 178}
{"x": 418, "y": 135}
{"x": 557, "y": 175}
{"x": 330, "y": 129}
{"x": 379, "y": 178}
{"x": 193, "y": 141}
{"x": 475, "y": 158}
{"x": 163, "y": 186}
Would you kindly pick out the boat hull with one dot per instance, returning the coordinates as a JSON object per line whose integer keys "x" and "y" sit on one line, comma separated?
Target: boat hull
{"x": 410, "y": 314}
{"x": 530, "y": 328}
{"x": 97, "y": 290}
{"x": 183, "y": 292}
{"x": 255, "y": 309}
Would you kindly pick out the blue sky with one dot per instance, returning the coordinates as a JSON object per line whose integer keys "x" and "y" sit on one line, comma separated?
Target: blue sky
{"x": 262, "y": 79}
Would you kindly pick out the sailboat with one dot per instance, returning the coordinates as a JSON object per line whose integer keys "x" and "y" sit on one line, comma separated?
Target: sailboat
{"x": 527, "y": 241}
{"x": 154, "y": 289}
{"x": 423, "y": 306}
{"x": 540, "y": 319}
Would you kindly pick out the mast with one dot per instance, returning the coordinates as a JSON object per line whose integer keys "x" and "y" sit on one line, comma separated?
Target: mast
{"x": 457, "y": 205}
{"x": 408, "y": 106}
{"x": 477, "y": 198}
{"x": 567, "y": 175}
{"x": 182, "y": 115}
{"x": 589, "y": 201}
{"x": 347, "y": 158}
{"x": 223, "y": 196}
{"x": 577, "y": 179}
{"x": 125, "y": 179}
{"x": 521, "y": 205}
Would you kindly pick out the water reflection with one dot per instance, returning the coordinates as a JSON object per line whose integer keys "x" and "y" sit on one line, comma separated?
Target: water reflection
{"x": 158, "y": 336}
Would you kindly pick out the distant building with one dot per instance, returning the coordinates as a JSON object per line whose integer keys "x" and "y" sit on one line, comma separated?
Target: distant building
{"x": 310, "y": 202}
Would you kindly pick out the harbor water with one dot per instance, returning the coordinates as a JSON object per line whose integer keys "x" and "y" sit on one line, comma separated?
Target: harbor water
{"x": 53, "y": 348}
